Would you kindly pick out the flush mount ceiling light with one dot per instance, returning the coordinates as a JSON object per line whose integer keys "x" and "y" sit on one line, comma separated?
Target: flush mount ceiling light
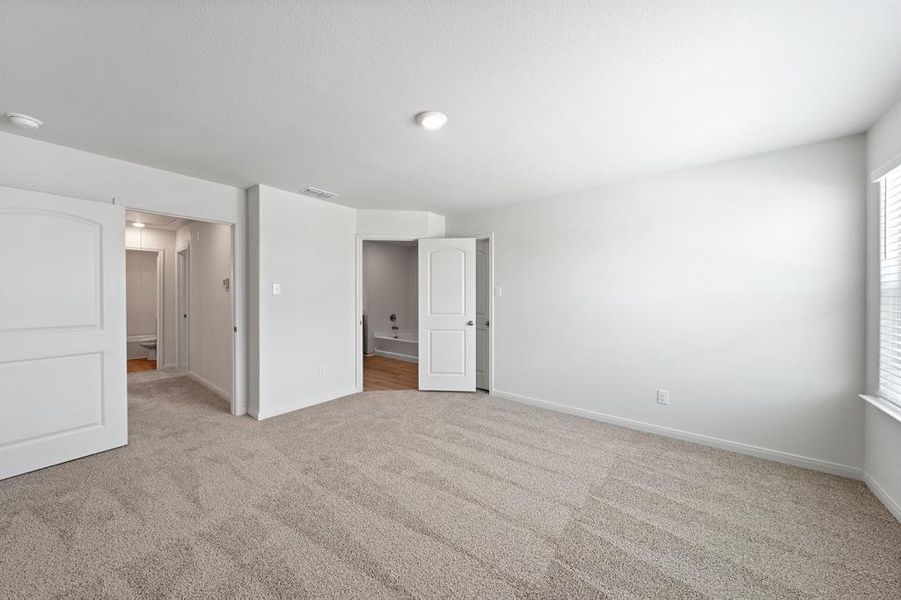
{"x": 24, "y": 121}
{"x": 138, "y": 224}
{"x": 431, "y": 120}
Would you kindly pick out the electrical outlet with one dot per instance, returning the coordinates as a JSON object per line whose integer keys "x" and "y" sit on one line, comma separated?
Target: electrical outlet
{"x": 321, "y": 372}
{"x": 663, "y": 397}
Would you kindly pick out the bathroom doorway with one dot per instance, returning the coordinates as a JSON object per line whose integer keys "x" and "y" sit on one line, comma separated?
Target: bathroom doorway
{"x": 143, "y": 299}
{"x": 390, "y": 315}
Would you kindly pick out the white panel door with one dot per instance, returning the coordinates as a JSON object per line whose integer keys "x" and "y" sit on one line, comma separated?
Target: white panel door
{"x": 483, "y": 301}
{"x": 62, "y": 329}
{"x": 447, "y": 312}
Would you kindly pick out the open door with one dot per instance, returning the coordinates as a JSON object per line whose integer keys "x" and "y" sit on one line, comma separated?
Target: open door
{"x": 62, "y": 329}
{"x": 447, "y": 312}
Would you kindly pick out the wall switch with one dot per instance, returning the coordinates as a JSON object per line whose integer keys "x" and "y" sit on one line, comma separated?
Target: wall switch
{"x": 498, "y": 292}
{"x": 663, "y": 397}
{"x": 321, "y": 372}
{"x": 276, "y": 289}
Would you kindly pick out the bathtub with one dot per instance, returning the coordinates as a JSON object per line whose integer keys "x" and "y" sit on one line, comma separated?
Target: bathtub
{"x": 405, "y": 347}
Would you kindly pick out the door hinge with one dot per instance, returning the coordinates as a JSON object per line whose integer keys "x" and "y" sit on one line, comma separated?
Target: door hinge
{"x": 236, "y": 329}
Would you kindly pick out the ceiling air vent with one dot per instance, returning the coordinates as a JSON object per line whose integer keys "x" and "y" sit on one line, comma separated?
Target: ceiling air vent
{"x": 317, "y": 193}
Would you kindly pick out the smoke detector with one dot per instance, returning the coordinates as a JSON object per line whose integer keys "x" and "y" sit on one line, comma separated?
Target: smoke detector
{"x": 24, "y": 121}
{"x": 317, "y": 193}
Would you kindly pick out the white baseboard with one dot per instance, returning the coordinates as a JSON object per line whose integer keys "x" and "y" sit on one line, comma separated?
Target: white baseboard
{"x": 304, "y": 403}
{"x": 893, "y": 506}
{"x": 395, "y": 355}
{"x": 706, "y": 440}
{"x": 169, "y": 366}
{"x": 210, "y": 386}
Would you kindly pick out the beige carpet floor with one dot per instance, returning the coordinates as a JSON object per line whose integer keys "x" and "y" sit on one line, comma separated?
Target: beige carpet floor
{"x": 410, "y": 495}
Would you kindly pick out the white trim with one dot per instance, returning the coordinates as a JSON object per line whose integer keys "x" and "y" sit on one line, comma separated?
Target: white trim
{"x": 397, "y": 356}
{"x": 210, "y": 386}
{"x": 883, "y": 496}
{"x": 309, "y": 401}
{"x": 884, "y": 169}
{"x": 706, "y": 440}
{"x": 884, "y": 405}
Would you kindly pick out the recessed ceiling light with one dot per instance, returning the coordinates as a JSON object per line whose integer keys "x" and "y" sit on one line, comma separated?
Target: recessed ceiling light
{"x": 138, "y": 224}
{"x": 24, "y": 121}
{"x": 431, "y": 120}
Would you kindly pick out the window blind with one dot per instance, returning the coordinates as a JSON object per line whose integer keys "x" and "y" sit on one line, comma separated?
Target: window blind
{"x": 890, "y": 286}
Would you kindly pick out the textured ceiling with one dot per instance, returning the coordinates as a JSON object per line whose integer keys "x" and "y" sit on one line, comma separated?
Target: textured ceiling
{"x": 543, "y": 97}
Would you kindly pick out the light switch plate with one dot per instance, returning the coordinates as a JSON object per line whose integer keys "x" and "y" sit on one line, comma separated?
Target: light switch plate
{"x": 276, "y": 289}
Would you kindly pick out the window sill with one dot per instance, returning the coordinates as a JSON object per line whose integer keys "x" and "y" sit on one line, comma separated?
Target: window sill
{"x": 884, "y": 405}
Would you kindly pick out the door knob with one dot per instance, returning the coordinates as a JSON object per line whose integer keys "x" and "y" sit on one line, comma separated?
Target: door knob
{"x": 486, "y": 323}
{"x": 470, "y": 323}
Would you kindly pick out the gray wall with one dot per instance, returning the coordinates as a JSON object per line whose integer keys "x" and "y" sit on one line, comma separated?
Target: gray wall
{"x": 390, "y": 281}
{"x": 739, "y": 287}
{"x": 211, "y": 318}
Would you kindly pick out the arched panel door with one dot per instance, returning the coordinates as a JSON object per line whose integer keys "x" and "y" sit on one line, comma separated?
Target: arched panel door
{"x": 447, "y": 312}
{"x": 62, "y": 329}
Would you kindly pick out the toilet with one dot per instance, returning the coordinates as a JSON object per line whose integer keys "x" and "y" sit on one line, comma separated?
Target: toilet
{"x": 150, "y": 346}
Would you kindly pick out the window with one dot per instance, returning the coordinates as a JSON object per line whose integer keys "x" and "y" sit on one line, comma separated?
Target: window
{"x": 890, "y": 286}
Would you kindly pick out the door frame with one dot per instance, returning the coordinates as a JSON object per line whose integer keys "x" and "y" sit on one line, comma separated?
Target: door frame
{"x": 491, "y": 311}
{"x": 183, "y": 302}
{"x": 160, "y": 300}
{"x": 358, "y": 291}
{"x": 208, "y": 214}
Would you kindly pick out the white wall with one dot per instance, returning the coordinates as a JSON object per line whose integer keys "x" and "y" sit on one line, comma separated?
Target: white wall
{"x": 739, "y": 287}
{"x": 35, "y": 165}
{"x": 412, "y": 223}
{"x": 140, "y": 292}
{"x": 211, "y": 321}
{"x": 304, "y": 353}
{"x": 161, "y": 239}
{"x": 882, "y": 433}
{"x": 387, "y": 287}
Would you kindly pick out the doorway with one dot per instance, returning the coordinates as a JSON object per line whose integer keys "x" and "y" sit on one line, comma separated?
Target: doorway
{"x": 143, "y": 301}
{"x": 184, "y": 307}
{"x": 196, "y": 325}
{"x": 484, "y": 297}
{"x": 390, "y": 315}
{"x": 395, "y": 375}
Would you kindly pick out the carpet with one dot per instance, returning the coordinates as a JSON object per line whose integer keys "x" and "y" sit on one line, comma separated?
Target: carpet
{"x": 426, "y": 495}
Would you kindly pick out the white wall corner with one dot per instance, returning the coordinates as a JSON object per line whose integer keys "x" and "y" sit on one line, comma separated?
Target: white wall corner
{"x": 890, "y": 503}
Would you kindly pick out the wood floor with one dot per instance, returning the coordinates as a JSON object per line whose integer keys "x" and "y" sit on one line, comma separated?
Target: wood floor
{"x": 380, "y": 373}
{"x": 141, "y": 364}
